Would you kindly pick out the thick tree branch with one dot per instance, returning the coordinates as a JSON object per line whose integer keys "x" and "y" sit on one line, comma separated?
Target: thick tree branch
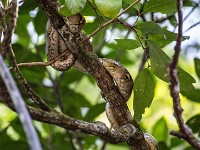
{"x": 84, "y": 53}
{"x": 185, "y": 132}
{"x": 89, "y": 60}
{"x": 59, "y": 119}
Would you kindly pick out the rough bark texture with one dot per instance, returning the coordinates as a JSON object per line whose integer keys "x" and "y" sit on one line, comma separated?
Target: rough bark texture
{"x": 84, "y": 52}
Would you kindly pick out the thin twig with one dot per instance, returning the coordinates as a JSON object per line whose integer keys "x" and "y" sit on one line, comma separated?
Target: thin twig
{"x": 192, "y": 26}
{"x": 185, "y": 132}
{"x": 34, "y": 96}
{"x": 139, "y": 38}
{"x": 95, "y": 12}
{"x": 196, "y": 5}
{"x": 134, "y": 30}
{"x": 30, "y": 64}
{"x": 191, "y": 11}
{"x": 104, "y": 145}
{"x": 143, "y": 61}
{"x": 112, "y": 20}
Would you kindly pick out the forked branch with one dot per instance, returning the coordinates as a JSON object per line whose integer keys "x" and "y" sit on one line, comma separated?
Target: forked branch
{"x": 185, "y": 132}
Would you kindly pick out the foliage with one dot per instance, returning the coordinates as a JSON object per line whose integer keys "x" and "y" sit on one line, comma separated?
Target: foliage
{"x": 78, "y": 92}
{"x": 144, "y": 87}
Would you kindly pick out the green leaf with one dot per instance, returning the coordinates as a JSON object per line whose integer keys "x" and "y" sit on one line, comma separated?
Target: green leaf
{"x": 109, "y": 8}
{"x": 72, "y": 7}
{"x": 159, "y": 61}
{"x": 143, "y": 92}
{"x": 91, "y": 26}
{"x": 160, "y": 130}
{"x": 94, "y": 111}
{"x": 189, "y": 148}
{"x": 21, "y": 29}
{"x": 40, "y": 22}
{"x": 60, "y": 141}
{"x": 99, "y": 39}
{"x": 129, "y": 1}
{"x": 17, "y": 126}
{"x": 194, "y": 123}
{"x": 90, "y": 143}
{"x": 193, "y": 95}
{"x": 175, "y": 142}
{"x": 163, "y": 146}
{"x": 173, "y": 21}
{"x": 3, "y": 133}
{"x": 27, "y": 7}
{"x": 70, "y": 76}
{"x": 10, "y": 144}
{"x": 34, "y": 74}
{"x": 163, "y": 40}
{"x": 197, "y": 66}
{"x": 73, "y": 102}
{"x": 88, "y": 10}
{"x": 127, "y": 44}
{"x": 150, "y": 28}
{"x": 186, "y": 80}
{"x": 189, "y": 3}
{"x": 163, "y": 6}
{"x": 133, "y": 11}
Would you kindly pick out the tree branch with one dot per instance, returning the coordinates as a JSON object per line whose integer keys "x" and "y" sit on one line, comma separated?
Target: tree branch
{"x": 66, "y": 122}
{"x": 34, "y": 96}
{"x": 83, "y": 52}
{"x": 145, "y": 56}
{"x": 192, "y": 26}
{"x": 185, "y": 132}
{"x": 88, "y": 60}
{"x": 7, "y": 49}
{"x": 30, "y": 64}
{"x": 16, "y": 97}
